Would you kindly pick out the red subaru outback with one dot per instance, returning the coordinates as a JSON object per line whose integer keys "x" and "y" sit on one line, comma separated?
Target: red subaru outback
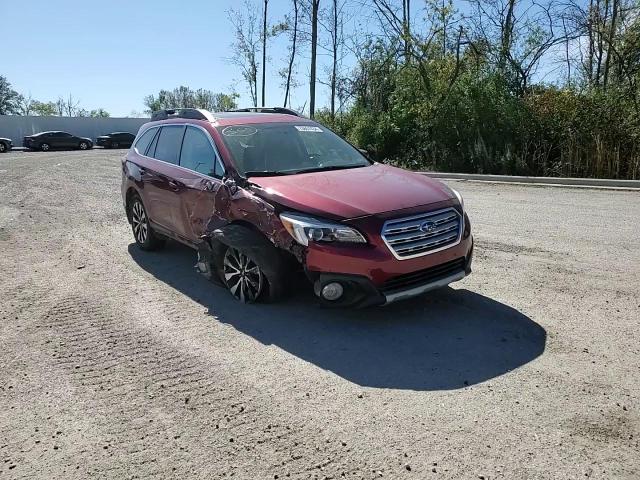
{"x": 263, "y": 193}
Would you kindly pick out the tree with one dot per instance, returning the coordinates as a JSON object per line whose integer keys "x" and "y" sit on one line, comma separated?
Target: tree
{"x": 99, "y": 113}
{"x": 315, "y": 5}
{"x": 25, "y": 105}
{"x": 292, "y": 27}
{"x": 245, "y": 47}
{"x": 264, "y": 48}
{"x": 184, "y": 97}
{"x": 44, "y": 109}
{"x": 9, "y": 98}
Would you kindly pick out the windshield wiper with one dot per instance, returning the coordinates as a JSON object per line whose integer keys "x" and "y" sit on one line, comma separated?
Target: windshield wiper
{"x": 329, "y": 167}
{"x": 263, "y": 173}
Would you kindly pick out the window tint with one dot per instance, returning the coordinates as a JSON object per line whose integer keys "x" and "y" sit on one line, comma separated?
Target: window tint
{"x": 198, "y": 154}
{"x": 144, "y": 141}
{"x": 168, "y": 143}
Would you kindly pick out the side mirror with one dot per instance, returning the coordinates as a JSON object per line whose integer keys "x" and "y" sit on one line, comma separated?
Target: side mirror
{"x": 230, "y": 184}
{"x": 366, "y": 153}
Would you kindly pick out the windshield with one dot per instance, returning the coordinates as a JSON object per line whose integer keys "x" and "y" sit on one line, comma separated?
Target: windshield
{"x": 287, "y": 148}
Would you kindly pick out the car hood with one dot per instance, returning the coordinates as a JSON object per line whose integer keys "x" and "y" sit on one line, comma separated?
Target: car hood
{"x": 354, "y": 192}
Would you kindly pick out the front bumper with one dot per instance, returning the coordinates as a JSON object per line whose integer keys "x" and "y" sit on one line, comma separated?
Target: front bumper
{"x": 360, "y": 291}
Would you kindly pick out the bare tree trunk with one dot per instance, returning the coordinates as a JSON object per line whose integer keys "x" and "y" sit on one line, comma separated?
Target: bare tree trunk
{"x": 406, "y": 28}
{"x": 600, "y": 52}
{"x": 334, "y": 66}
{"x": 507, "y": 30}
{"x": 264, "y": 48}
{"x": 566, "y": 51}
{"x": 591, "y": 43}
{"x": 610, "y": 42}
{"x": 293, "y": 52}
{"x": 444, "y": 30}
{"x": 315, "y": 4}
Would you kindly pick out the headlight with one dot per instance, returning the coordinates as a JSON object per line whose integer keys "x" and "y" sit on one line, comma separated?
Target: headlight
{"x": 459, "y": 197}
{"x": 303, "y": 228}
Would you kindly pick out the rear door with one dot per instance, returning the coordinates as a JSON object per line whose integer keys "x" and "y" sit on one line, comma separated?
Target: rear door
{"x": 162, "y": 188}
{"x": 204, "y": 200}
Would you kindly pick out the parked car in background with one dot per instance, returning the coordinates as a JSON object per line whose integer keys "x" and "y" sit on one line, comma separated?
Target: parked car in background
{"x": 46, "y": 141}
{"x": 5, "y": 144}
{"x": 116, "y": 140}
{"x": 261, "y": 194}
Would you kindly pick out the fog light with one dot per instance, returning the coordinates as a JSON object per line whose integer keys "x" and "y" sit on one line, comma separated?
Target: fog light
{"x": 332, "y": 291}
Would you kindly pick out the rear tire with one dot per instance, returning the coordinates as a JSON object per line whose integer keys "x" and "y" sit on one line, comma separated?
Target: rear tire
{"x": 146, "y": 238}
{"x": 3, "y": 147}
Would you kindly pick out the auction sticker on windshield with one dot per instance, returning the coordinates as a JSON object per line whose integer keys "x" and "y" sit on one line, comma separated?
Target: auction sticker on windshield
{"x": 308, "y": 128}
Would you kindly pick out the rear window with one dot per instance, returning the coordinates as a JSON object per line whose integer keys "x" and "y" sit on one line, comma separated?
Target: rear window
{"x": 169, "y": 143}
{"x": 143, "y": 142}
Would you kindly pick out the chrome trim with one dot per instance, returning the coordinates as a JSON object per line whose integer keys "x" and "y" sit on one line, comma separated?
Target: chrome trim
{"x": 414, "y": 291}
{"x": 411, "y": 228}
{"x": 184, "y": 124}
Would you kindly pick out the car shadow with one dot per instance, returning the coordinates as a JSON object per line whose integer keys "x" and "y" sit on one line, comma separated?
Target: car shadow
{"x": 445, "y": 340}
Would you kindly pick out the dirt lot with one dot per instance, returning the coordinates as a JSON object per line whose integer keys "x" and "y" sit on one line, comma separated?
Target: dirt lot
{"x": 117, "y": 363}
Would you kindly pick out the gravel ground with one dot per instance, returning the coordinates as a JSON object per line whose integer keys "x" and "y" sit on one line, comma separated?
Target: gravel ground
{"x": 116, "y": 363}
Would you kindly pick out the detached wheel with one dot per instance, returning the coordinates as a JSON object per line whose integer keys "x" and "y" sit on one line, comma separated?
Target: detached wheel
{"x": 83, "y": 145}
{"x": 45, "y": 147}
{"x": 242, "y": 276}
{"x": 143, "y": 233}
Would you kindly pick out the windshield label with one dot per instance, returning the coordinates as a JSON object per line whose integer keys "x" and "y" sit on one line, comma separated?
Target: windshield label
{"x": 308, "y": 128}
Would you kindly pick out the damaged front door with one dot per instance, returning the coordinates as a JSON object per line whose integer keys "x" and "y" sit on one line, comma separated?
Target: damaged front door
{"x": 204, "y": 198}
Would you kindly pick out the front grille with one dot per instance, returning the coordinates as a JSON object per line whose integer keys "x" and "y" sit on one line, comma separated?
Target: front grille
{"x": 422, "y": 277}
{"x": 422, "y": 234}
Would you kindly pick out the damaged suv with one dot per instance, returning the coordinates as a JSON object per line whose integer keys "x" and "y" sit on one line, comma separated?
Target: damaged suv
{"x": 263, "y": 193}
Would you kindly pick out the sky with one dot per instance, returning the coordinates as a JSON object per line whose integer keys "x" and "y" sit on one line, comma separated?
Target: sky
{"x": 112, "y": 54}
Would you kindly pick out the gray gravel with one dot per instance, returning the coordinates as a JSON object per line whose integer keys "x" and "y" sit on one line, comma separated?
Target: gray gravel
{"x": 117, "y": 363}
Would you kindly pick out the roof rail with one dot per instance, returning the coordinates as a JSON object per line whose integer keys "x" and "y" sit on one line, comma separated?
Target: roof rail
{"x": 286, "y": 111}
{"x": 192, "y": 113}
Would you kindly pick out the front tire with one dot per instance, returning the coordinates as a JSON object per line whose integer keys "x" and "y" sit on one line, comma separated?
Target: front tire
{"x": 45, "y": 147}
{"x": 83, "y": 145}
{"x": 144, "y": 235}
{"x": 3, "y": 147}
{"x": 242, "y": 276}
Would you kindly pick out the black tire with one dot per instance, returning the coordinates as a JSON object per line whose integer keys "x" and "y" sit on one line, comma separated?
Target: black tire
{"x": 45, "y": 147}
{"x": 273, "y": 276}
{"x": 144, "y": 235}
{"x": 3, "y": 147}
{"x": 83, "y": 146}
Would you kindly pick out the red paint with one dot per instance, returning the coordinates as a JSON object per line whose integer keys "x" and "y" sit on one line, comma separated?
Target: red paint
{"x": 355, "y": 192}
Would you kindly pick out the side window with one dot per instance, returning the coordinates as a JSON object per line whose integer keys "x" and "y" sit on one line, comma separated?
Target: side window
{"x": 168, "y": 143}
{"x": 198, "y": 154}
{"x": 144, "y": 141}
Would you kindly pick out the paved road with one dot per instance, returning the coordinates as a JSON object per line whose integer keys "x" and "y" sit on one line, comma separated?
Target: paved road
{"x": 121, "y": 364}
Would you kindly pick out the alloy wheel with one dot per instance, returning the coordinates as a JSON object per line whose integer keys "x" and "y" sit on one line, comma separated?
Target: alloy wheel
{"x": 2, "y": 147}
{"x": 45, "y": 147}
{"x": 83, "y": 146}
{"x": 139, "y": 222}
{"x": 242, "y": 275}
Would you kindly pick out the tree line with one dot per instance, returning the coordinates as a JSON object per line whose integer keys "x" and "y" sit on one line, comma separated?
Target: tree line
{"x": 531, "y": 87}
{"x": 14, "y": 103}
